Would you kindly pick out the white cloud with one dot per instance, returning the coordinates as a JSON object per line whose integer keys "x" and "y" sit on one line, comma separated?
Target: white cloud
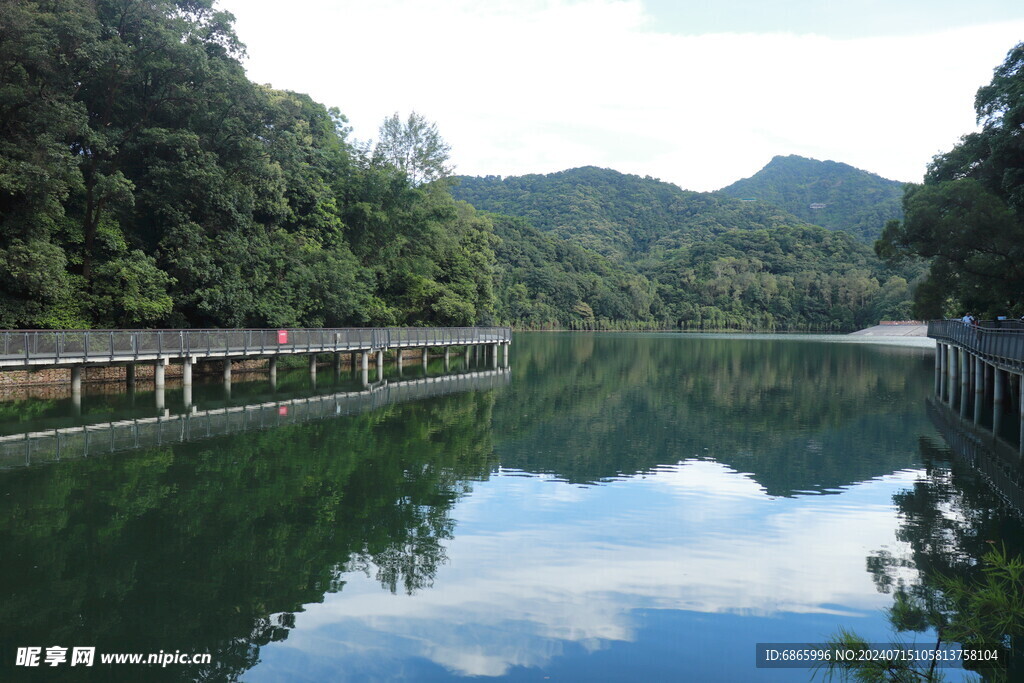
{"x": 546, "y": 85}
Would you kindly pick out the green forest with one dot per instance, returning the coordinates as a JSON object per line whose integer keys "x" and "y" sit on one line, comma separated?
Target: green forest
{"x": 146, "y": 182}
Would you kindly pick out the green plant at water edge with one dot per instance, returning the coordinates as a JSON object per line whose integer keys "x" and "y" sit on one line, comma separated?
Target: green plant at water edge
{"x": 983, "y": 613}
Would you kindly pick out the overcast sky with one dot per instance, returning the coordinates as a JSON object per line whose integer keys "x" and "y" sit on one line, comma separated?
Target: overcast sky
{"x": 696, "y": 93}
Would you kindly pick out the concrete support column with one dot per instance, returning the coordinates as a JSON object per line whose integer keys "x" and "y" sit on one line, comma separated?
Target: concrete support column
{"x": 398, "y": 357}
{"x": 366, "y": 361}
{"x": 954, "y": 375}
{"x": 447, "y": 359}
{"x": 366, "y": 374}
{"x": 312, "y": 366}
{"x": 337, "y": 363}
{"x": 998, "y": 399}
{"x": 227, "y": 369}
{"x": 380, "y": 365}
{"x": 507, "y": 345}
{"x": 76, "y": 379}
{"x": 425, "y": 350}
{"x": 965, "y": 381}
{"x": 494, "y": 355}
{"x": 187, "y": 397}
{"x": 129, "y": 373}
{"x": 979, "y": 387}
{"x": 158, "y": 373}
{"x": 938, "y": 368}
{"x": 943, "y": 362}
{"x": 272, "y": 366}
{"x": 186, "y": 372}
{"x": 160, "y": 400}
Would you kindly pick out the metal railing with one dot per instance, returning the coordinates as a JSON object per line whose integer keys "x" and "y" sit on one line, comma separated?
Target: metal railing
{"x": 21, "y": 450}
{"x": 70, "y": 347}
{"x": 1000, "y": 342}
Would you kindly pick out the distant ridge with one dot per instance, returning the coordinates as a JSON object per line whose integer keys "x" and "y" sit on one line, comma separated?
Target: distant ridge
{"x": 831, "y": 194}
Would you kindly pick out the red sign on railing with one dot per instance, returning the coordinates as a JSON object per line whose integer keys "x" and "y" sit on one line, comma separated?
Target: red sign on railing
{"x": 282, "y": 336}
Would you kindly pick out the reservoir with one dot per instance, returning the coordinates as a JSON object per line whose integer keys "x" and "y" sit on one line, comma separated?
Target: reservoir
{"x": 613, "y": 506}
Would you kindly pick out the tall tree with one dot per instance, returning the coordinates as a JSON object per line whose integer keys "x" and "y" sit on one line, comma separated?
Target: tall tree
{"x": 414, "y": 147}
{"x": 968, "y": 216}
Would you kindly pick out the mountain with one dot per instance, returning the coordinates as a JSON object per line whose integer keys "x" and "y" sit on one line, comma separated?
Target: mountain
{"x": 615, "y": 214}
{"x": 595, "y": 247}
{"x": 827, "y": 193}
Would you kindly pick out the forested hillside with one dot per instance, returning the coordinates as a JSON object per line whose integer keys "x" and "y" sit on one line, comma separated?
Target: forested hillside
{"x": 680, "y": 259}
{"x": 830, "y": 194}
{"x": 146, "y": 182}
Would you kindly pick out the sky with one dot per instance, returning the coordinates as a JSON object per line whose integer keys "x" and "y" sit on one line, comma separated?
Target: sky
{"x": 699, "y": 94}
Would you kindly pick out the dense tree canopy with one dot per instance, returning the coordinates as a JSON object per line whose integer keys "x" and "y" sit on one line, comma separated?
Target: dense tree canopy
{"x": 968, "y": 216}
{"x": 144, "y": 180}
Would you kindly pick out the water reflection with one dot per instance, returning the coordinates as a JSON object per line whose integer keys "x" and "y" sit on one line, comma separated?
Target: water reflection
{"x": 625, "y": 504}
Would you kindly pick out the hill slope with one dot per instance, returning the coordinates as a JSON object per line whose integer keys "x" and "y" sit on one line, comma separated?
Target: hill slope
{"x": 615, "y": 214}
{"x": 827, "y": 193}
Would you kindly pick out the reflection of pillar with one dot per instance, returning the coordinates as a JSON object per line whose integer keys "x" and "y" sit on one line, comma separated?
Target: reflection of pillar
{"x": 158, "y": 373}
{"x": 76, "y": 379}
{"x": 979, "y": 387}
{"x": 129, "y": 373}
{"x": 186, "y": 372}
{"x": 76, "y": 402}
{"x": 187, "y": 397}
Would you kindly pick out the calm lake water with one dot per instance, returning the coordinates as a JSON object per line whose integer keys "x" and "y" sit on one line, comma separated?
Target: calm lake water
{"x": 612, "y": 507}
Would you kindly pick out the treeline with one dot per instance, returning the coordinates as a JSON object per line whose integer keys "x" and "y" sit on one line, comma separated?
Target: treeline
{"x": 145, "y": 181}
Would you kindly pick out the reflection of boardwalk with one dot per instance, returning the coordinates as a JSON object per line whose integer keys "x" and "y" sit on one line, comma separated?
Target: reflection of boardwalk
{"x": 999, "y": 463}
{"x": 34, "y": 448}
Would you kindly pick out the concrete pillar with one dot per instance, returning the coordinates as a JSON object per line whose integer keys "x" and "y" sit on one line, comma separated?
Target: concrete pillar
{"x": 494, "y": 355}
{"x": 505, "y": 347}
{"x": 337, "y": 363}
{"x": 380, "y": 365}
{"x": 425, "y": 350}
{"x": 979, "y": 387}
{"x": 366, "y": 374}
{"x": 312, "y": 366}
{"x": 158, "y": 373}
{"x": 1020, "y": 395}
{"x": 187, "y": 397}
{"x": 398, "y": 357}
{"x": 160, "y": 400}
{"x": 954, "y": 375}
{"x": 943, "y": 361}
{"x": 76, "y": 402}
{"x": 938, "y": 368}
{"x": 272, "y": 366}
{"x": 129, "y": 373}
{"x": 999, "y": 392}
{"x": 186, "y": 372}
{"x": 965, "y": 381}
{"x": 76, "y": 379}
{"x": 447, "y": 358}
{"x": 227, "y": 370}
{"x": 366, "y": 362}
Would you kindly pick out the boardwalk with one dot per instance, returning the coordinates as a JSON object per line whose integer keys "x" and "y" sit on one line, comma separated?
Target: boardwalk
{"x": 979, "y": 371}
{"x": 75, "y": 349}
